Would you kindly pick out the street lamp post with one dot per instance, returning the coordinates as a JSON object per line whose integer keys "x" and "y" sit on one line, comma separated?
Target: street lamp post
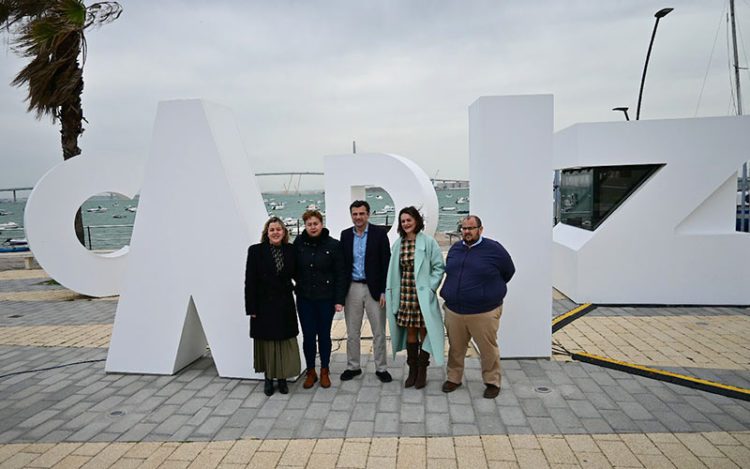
{"x": 658, "y": 15}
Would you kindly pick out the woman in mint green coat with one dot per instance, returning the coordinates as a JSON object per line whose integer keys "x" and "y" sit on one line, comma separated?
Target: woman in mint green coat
{"x": 414, "y": 274}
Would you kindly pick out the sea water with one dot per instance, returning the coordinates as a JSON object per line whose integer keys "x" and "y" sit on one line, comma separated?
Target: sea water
{"x": 108, "y": 219}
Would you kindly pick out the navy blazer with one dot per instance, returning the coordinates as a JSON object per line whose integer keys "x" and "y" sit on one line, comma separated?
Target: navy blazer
{"x": 377, "y": 256}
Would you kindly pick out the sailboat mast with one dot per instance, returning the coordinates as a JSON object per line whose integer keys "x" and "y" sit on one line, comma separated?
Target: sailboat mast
{"x": 744, "y": 187}
{"x": 736, "y": 61}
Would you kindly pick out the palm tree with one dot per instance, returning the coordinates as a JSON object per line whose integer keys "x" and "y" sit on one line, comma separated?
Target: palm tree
{"x": 51, "y": 34}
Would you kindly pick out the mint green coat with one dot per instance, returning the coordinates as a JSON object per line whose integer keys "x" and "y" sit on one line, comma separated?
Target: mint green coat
{"x": 428, "y": 273}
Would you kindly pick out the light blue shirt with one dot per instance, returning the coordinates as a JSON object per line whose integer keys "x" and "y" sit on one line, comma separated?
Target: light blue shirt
{"x": 472, "y": 245}
{"x": 359, "y": 247}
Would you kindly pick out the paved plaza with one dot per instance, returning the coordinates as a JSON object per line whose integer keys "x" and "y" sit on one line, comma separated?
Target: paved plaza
{"x": 550, "y": 413}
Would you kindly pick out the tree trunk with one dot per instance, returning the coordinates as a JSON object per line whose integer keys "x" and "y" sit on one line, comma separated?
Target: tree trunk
{"x": 71, "y": 126}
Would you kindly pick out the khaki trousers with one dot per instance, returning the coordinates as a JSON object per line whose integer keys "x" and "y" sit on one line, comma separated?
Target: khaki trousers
{"x": 359, "y": 301}
{"x": 483, "y": 328}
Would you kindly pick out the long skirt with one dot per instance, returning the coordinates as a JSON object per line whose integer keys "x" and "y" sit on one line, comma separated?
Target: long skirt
{"x": 278, "y": 359}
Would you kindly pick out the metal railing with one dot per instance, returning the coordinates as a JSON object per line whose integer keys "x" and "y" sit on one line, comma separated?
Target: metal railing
{"x": 107, "y": 236}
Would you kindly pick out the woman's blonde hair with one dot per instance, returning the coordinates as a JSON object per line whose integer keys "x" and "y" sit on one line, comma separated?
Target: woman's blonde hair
{"x": 264, "y": 235}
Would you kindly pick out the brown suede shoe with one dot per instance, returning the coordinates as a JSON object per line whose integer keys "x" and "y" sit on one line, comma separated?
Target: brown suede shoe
{"x": 449, "y": 386}
{"x": 325, "y": 379}
{"x": 491, "y": 391}
{"x": 310, "y": 379}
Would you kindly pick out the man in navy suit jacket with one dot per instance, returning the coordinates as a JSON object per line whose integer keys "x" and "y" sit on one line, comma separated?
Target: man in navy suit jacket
{"x": 366, "y": 256}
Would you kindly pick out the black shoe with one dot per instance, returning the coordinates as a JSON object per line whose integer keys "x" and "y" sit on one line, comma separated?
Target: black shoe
{"x": 268, "y": 387}
{"x": 384, "y": 376}
{"x": 349, "y": 374}
{"x": 283, "y": 387}
{"x": 491, "y": 391}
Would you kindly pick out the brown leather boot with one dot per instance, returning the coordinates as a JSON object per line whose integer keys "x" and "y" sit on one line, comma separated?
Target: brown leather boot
{"x": 412, "y": 352}
{"x": 423, "y": 361}
{"x": 310, "y": 378}
{"x": 325, "y": 378}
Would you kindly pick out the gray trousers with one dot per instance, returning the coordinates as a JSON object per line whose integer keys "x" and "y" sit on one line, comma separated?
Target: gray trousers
{"x": 359, "y": 301}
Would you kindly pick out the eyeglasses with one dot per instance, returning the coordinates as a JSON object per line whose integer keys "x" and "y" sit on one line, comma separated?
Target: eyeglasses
{"x": 469, "y": 228}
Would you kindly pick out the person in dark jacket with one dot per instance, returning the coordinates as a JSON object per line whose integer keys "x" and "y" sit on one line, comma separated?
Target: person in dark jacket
{"x": 320, "y": 292}
{"x": 269, "y": 301}
{"x": 367, "y": 253}
{"x": 477, "y": 270}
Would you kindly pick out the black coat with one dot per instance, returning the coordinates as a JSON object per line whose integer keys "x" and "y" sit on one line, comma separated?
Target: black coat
{"x": 377, "y": 256}
{"x": 320, "y": 268}
{"x": 269, "y": 295}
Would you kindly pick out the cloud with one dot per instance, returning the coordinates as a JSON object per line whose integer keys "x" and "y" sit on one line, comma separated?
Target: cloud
{"x": 306, "y": 78}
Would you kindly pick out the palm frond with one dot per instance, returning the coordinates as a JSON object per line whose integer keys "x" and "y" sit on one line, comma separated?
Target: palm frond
{"x": 51, "y": 34}
{"x": 102, "y": 13}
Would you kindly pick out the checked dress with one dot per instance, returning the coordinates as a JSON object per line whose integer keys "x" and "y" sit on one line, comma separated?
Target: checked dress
{"x": 409, "y": 314}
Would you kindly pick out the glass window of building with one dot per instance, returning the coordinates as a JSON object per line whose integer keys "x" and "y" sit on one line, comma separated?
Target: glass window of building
{"x": 589, "y": 195}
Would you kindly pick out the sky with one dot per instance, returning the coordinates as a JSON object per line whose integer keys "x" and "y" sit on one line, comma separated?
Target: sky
{"x": 306, "y": 78}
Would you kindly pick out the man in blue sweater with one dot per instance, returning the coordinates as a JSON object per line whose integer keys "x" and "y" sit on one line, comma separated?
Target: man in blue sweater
{"x": 476, "y": 273}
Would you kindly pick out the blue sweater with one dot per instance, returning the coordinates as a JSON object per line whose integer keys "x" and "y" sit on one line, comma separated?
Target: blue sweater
{"x": 476, "y": 277}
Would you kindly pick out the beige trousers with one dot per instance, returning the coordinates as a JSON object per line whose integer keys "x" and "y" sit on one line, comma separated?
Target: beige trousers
{"x": 359, "y": 301}
{"x": 483, "y": 328}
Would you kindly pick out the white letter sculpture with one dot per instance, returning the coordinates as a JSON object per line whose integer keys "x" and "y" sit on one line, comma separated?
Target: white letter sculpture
{"x": 347, "y": 175}
{"x": 179, "y": 278}
{"x": 50, "y": 213}
{"x": 673, "y": 241}
{"x": 510, "y": 169}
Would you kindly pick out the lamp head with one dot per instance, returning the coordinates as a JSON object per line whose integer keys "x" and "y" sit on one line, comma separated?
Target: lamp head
{"x": 663, "y": 12}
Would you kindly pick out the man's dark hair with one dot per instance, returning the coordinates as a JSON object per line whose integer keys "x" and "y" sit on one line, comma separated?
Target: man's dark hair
{"x": 414, "y": 213}
{"x": 476, "y": 218}
{"x": 359, "y": 203}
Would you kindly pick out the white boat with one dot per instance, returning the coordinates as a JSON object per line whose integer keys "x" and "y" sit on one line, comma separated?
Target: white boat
{"x": 98, "y": 209}
{"x": 379, "y": 197}
{"x": 17, "y": 242}
{"x": 462, "y": 200}
{"x": 311, "y": 207}
{"x": 448, "y": 209}
{"x": 3, "y": 213}
{"x": 130, "y": 208}
{"x": 9, "y": 226}
{"x": 280, "y": 206}
{"x": 289, "y": 221}
{"x": 388, "y": 209}
{"x": 449, "y": 195}
{"x": 302, "y": 201}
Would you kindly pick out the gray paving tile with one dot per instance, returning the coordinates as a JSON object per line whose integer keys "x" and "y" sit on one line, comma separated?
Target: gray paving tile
{"x": 336, "y": 420}
{"x": 386, "y": 423}
{"x": 513, "y": 416}
{"x": 364, "y": 411}
{"x": 413, "y": 429}
{"x": 412, "y": 413}
{"x": 309, "y": 428}
{"x": 619, "y": 421}
{"x": 436, "y": 403}
{"x": 463, "y": 429}
{"x": 259, "y": 428}
{"x": 359, "y": 429}
{"x": 438, "y": 424}
{"x": 543, "y": 425}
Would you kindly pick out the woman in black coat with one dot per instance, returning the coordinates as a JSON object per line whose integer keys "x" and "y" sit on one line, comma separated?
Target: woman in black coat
{"x": 321, "y": 292}
{"x": 269, "y": 302}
